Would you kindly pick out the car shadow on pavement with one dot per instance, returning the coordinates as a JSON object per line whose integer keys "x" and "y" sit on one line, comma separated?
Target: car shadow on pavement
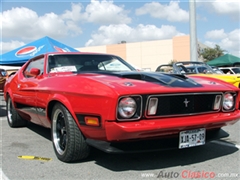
{"x": 161, "y": 159}
{"x": 44, "y": 132}
{"x": 3, "y": 111}
{"x": 149, "y": 160}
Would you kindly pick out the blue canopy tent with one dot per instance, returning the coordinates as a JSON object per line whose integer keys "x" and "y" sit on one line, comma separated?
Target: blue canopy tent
{"x": 22, "y": 54}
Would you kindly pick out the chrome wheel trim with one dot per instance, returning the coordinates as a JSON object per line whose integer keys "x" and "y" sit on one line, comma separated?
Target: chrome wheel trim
{"x": 59, "y": 132}
{"x": 9, "y": 110}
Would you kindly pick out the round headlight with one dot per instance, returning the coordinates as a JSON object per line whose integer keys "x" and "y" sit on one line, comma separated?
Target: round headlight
{"x": 228, "y": 101}
{"x": 127, "y": 107}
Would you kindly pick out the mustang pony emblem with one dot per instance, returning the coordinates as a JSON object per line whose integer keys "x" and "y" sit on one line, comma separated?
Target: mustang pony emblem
{"x": 186, "y": 102}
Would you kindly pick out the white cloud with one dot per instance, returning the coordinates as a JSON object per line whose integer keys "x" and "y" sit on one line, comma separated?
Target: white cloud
{"x": 26, "y": 24}
{"x": 230, "y": 43}
{"x": 229, "y": 8}
{"x": 171, "y": 12}
{"x": 215, "y": 34}
{"x": 75, "y": 14}
{"x": 105, "y": 12}
{"x": 114, "y": 34}
{"x": 226, "y": 7}
{"x": 210, "y": 44}
{"x": 7, "y": 46}
{"x": 17, "y": 21}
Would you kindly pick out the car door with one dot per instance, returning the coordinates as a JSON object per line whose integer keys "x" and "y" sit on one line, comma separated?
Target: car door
{"x": 27, "y": 86}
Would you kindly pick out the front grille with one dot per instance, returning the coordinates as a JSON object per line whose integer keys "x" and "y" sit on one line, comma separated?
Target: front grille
{"x": 181, "y": 104}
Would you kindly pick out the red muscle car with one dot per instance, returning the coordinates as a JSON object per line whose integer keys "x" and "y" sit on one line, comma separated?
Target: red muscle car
{"x": 99, "y": 100}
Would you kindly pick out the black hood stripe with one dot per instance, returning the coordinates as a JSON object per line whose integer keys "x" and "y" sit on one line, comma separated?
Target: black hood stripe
{"x": 172, "y": 80}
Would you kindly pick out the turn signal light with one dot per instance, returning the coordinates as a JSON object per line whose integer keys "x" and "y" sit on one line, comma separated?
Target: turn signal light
{"x": 91, "y": 121}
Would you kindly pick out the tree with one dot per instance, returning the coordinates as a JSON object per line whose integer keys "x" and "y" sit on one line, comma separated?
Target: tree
{"x": 212, "y": 53}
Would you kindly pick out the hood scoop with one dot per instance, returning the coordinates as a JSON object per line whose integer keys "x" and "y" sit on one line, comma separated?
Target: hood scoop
{"x": 173, "y": 80}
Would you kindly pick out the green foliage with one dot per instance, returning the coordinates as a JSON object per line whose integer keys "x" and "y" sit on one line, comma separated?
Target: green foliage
{"x": 212, "y": 53}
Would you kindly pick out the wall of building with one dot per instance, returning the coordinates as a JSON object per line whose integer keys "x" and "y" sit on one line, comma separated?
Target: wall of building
{"x": 181, "y": 48}
{"x": 117, "y": 49}
{"x": 148, "y": 55}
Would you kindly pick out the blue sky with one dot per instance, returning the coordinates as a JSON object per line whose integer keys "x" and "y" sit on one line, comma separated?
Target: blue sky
{"x": 94, "y": 23}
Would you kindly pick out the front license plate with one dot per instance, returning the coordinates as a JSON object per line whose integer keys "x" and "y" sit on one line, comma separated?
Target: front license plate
{"x": 191, "y": 138}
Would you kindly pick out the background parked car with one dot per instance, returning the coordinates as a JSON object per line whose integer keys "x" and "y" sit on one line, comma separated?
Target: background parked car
{"x": 217, "y": 70}
{"x": 3, "y": 77}
{"x": 230, "y": 70}
{"x": 197, "y": 68}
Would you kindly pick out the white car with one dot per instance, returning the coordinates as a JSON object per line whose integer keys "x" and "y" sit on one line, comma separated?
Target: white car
{"x": 230, "y": 70}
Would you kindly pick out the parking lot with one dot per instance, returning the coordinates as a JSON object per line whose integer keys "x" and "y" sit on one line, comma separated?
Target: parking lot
{"x": 215, "y": 160}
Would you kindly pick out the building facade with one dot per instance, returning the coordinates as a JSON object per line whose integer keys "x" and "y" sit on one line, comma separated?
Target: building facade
{"x": 148, "y": 55}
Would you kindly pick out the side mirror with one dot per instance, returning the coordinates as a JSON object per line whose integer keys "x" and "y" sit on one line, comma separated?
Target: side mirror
{"x": 34, "y": 72}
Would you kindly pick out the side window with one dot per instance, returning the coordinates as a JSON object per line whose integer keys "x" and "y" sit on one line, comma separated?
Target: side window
{"x": 227, "y": 71}
{"x": 61, "y": 63}
{"x": 38, "y": 63}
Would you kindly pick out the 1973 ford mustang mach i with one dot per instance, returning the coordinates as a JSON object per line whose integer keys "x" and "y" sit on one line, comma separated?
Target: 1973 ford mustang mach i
{"x": 99, "y": 100}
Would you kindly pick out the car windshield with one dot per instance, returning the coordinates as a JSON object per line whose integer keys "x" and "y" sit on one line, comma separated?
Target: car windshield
{"x": 194, "y": 68}
{"x": 165, "y": 69}
{"x": 217, "y": 70}
{"x": 236, "y": 70}
{"x": 87, "y": 62}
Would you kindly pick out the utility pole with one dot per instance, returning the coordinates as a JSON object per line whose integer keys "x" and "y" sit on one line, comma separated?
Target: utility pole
{"x": 193, "y": 31}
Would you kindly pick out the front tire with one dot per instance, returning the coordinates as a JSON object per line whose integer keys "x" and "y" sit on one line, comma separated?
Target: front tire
{"x": 68, "y": 142}
{"x": 14, "y": 120}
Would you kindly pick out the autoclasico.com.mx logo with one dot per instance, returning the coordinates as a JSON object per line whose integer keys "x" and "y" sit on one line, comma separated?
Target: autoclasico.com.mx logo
{"x": 187, "y": 174}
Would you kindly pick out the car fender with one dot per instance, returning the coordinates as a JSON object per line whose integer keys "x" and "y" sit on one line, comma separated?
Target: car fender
{"x": 63, "y": 100}
{"x": 8, "y": 92}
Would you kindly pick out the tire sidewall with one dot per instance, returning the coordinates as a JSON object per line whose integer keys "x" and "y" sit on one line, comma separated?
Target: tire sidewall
{"x": 63, "y": 110}
{"x": 10, "y": 121}
{"x": 14, "y": 119}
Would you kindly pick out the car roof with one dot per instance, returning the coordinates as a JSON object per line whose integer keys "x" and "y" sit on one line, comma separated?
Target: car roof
{"x": 71, "y": 53}
{"x": 229, "y": 67}
{"x": 61, "y": 53}
{"x": 190, "y": 62}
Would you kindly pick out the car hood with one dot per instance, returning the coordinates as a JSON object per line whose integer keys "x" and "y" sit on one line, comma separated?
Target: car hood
{"x": 170, "y": 80}
{"x": 151, "y": 82}
{"x": 225, "y": 77}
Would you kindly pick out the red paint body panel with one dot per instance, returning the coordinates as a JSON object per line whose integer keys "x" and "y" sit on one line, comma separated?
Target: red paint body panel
{"x": 166, "y": 127}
